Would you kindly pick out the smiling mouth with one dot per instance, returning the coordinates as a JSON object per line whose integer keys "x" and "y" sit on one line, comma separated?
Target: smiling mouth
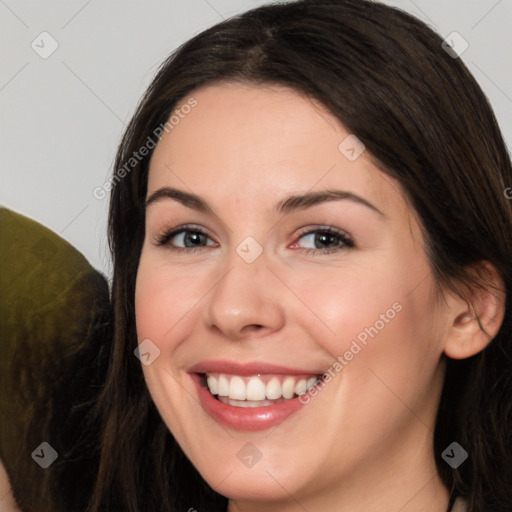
{"x": 259, "y": 390}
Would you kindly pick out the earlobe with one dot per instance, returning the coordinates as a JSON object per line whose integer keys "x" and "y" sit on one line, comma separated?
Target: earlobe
{"x": 476, "y": 318}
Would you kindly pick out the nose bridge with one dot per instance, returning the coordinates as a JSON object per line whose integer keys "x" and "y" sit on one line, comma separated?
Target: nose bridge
{"x": 244, "y": 295}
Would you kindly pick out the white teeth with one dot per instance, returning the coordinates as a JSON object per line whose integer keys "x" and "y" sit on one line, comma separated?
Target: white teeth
{"x": 212, "y": 384}
{"x": 245, "y": 403}
{"x": 273, "y": 391}
{"x": 256, "y": 389}
{"x": 223, "y": 386}
{"x": 311, "y": 382}
{"x": 300, "y": 387}
{"x": 237, "y": 388}
{"x": 288, "y": 387}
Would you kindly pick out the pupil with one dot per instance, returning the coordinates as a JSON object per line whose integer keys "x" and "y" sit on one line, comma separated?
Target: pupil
{"x": 191, "y": 235}
{"x": 324, "y": 236}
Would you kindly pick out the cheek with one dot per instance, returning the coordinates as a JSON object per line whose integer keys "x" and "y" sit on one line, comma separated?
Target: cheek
{"x": 163, "y": 298}
{"x": 375, "y": 316}
{"x": 383, "y": 354}
{"x": 164, "y": 314}
{"x": 151, "y": 308}
{"x": 349, "y": 305}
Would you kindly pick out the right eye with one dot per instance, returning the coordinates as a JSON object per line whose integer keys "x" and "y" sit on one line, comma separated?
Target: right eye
{"x": 183, "y": 235}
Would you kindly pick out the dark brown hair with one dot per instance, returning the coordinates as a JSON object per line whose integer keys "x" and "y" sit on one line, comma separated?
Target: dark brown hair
{"x": 425, "y": 122}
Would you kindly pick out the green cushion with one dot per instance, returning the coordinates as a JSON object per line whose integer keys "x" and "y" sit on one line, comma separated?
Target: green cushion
{"x": 52, "y": 306}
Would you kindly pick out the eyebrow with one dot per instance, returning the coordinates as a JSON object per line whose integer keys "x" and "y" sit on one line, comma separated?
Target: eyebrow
{"x": 287, "y": 205}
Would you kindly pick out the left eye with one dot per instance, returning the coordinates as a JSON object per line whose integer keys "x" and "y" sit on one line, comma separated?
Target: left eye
{"x": 326, "y": 236}
{"x": 196, "y": 237}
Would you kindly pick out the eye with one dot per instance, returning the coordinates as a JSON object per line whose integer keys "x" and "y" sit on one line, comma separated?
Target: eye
{"x": 191, "y": 236}
{"x": 336, "y": 238}
{"x": 194, "y": 238}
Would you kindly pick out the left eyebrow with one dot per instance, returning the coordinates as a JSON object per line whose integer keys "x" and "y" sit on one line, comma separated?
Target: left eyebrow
{"x": 287, "y": 205}
{"x": 309, "y": 199}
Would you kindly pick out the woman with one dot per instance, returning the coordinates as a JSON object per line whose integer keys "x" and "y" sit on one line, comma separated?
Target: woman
{"x": 369, "y": 374}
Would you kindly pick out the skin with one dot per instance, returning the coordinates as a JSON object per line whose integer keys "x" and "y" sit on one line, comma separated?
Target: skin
{"x": 365, "y": 442}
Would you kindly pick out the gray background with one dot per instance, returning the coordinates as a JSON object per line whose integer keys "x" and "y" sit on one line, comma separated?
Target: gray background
{"x": 62, "y": 117}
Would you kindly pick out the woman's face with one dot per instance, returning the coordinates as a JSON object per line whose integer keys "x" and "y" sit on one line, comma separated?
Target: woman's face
{"x": 257, "y": 299}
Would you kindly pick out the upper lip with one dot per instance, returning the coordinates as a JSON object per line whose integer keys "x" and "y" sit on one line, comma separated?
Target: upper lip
{"x": 248, "y": 368}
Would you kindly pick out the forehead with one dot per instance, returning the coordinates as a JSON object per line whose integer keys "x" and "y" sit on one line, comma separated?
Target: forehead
{"x": 260, "y": 140}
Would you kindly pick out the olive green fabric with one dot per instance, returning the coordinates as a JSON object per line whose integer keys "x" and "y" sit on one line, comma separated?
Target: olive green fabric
{"x": 49, "y": 305}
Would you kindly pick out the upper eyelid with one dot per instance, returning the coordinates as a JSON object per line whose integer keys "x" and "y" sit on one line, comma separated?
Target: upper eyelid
{"x": 301, "y": 231}
{"x": 307, "y": 230}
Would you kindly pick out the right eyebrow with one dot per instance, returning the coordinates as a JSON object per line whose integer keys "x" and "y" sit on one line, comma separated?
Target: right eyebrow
{"x": 185, "y": 198}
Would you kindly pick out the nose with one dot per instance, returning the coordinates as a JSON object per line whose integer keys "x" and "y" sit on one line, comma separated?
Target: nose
{"x": 247, "y": 300}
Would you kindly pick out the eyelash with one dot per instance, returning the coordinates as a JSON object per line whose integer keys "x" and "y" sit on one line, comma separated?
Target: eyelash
{"x": 164, "y": 237}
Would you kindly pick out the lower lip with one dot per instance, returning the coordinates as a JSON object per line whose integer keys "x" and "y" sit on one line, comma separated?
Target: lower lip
{"x": 245, "y": 418}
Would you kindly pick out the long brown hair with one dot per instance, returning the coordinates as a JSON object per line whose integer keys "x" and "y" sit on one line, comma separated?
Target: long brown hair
{"x": 425, "y": 122}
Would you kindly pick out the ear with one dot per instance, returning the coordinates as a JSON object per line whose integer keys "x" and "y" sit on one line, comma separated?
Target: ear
{"x": 475, "y": 319}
